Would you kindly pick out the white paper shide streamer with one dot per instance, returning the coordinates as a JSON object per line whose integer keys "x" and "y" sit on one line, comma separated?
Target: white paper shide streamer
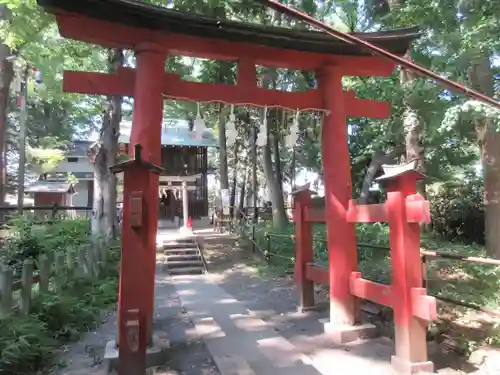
{"x": 199, "y": 123}
{"x": 262, "y": 136}
{"x": 231, "y": 132}
{"x": 292, "y": 138}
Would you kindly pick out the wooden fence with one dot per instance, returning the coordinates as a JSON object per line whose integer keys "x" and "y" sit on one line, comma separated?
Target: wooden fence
{"x": 86, "y": 262}
{"x": 46, "y": 213}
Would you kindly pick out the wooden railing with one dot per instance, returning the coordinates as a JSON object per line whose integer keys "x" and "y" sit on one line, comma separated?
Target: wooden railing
{"x": 86, "y": 262}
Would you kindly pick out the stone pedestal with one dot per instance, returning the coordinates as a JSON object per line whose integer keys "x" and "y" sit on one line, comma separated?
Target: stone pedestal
{"x": 156, "y": 353}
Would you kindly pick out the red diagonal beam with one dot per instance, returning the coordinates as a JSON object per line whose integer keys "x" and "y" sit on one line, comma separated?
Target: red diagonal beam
{"x": 274, "y": 4}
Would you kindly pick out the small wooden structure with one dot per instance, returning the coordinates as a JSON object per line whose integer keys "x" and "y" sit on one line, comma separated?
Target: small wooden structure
{"x": 51, "y": 193}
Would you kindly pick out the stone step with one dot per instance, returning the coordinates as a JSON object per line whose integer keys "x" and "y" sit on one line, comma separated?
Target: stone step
{"x": 185, "y": 256}
{"x": 180, "y": 240}
{"x": 183, "y": 263}
{"x": 191, "y": 251}
{"x": 186, "y": 245}
{"x": 186, "y": 270}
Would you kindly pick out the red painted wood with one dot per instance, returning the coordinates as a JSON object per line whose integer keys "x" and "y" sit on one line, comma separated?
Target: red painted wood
{"x": 136, "y": 203}
{"x": 147, "y": 118}
{"x": 112, "y": 35}
{"x": 370, "y": 290}
{"x": 366, "y": 213}
{"x": 418, "y": 210}
{"x": 342, "y": 252}
{"x": 314, "y": 214}
{"x": 404, "y": 237}
{"x": 317, "y": 274}
{"x": 303, "y": 248}
{"x": 123, "y": 84}
{"x": 356, "y": 107}
{"x": 134, "y": 287}
{"x": 423, "y": 306}
{"x": 132, "y": 349}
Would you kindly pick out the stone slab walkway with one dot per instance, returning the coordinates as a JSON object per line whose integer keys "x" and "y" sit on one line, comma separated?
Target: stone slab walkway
{"x": 240, "y": 342}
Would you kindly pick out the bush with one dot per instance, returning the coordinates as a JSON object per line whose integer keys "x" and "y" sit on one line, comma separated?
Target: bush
{"x": 457, "y": 211}
{"x": 27, "y": 343}
{"x": 28, "y": 240}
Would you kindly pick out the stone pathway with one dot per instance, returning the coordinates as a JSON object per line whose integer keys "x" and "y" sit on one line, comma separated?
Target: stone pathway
{"x": 233, "y": 321}
{"x": 243, "y": 343}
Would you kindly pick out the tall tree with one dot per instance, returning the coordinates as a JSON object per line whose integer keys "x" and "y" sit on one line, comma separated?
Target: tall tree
{"x": 6, "y": 75}
{"x": 480, "y": 77}
{"x": 103, "y": 154}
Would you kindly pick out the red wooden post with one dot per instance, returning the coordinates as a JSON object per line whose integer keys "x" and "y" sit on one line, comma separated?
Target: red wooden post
{"x": 133, "y": 348}
{"x": 412, "y": 307}
{"x": 303, "y": 247}
{"x": 342, "y": 257}
{"x": 135, "y": 293}
{"x": 147, "y": 120}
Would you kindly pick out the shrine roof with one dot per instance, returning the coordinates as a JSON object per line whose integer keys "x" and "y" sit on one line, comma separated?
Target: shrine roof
{"x": 174, "y": 133}
{"x": 50, "y": 187}
{"x": 146, "y": 16}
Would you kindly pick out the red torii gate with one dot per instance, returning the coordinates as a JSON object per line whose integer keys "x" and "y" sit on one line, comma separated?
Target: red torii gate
{"x": 155, "y": 33}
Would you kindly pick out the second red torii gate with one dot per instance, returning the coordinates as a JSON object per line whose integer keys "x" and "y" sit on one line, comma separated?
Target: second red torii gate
{"x": 156, "y": 33}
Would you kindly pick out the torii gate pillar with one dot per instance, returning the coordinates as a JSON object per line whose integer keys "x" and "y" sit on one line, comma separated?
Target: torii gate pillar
{"x": 341, "y": 236}
{"x": 147, "y": 119}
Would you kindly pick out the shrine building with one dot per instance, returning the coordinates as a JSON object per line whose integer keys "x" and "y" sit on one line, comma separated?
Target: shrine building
{"x": 184, "y": 158}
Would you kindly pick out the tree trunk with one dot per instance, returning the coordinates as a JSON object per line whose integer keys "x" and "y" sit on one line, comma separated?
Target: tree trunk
{"x": 481, "y": 78}
{"x": 246, "y": 173}
{"x": 224, "y": 176}
{"x": 275, "y": 192}
{"x": 103, "y": 155}
{"x": 412, "y": 124}
{"x": 280, "y": 217}
{"x": 101, "y": 225}
{"x": 234, "y": 184}
{"x": 379, "y": 158}
{"x": 292, "y": 168}
{"x": 6, "y": 76}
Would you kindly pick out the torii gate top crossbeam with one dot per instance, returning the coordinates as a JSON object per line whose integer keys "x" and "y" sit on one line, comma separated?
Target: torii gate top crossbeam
{"x": 195, "y": 35}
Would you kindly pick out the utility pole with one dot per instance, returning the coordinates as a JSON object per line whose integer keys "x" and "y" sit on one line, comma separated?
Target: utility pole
{"x": 22, "y": 140}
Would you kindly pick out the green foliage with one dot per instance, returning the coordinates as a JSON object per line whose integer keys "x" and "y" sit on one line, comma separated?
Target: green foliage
{"x": 29, "y": 240}
{"x": 28, "y": 343}
{"x": 457, "y": 211}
